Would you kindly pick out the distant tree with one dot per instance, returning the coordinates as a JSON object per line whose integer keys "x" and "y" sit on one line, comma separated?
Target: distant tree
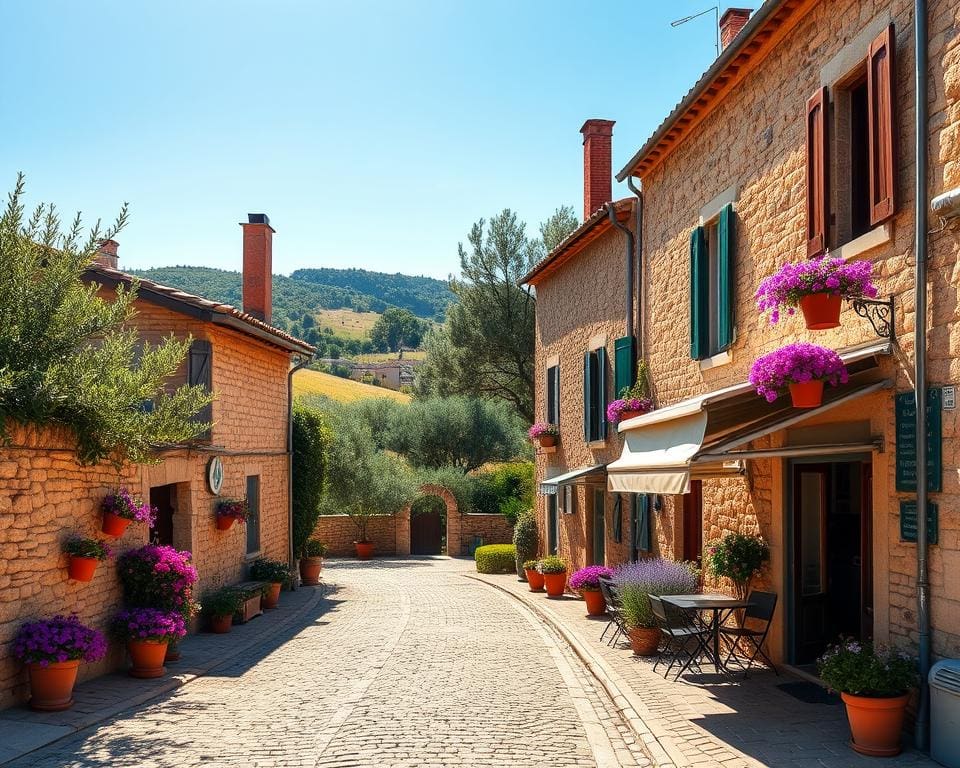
{"x": 307, "y": 320}
{"x": 557, "y": 227}
{"x": 69, "y": 357}
{"x": 395, "y": 328}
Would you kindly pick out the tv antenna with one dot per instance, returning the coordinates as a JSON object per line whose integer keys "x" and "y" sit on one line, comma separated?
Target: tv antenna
{"x": 716, "y": 18}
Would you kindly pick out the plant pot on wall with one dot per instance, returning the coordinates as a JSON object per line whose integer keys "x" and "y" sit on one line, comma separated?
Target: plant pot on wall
{"x": 51, "y": 686}
{"x": 114, "y": 525}
{"x": 875, "y": 723}
{"x": 364, "y": 549}
{"x": 547, "y": 441}
{"x": 821, "y": 310}
{"x": 645, "y": 641}
{"x": 806, "y": 394}
{"x": 225, "y": 522}
{"x": 82, "y": 568}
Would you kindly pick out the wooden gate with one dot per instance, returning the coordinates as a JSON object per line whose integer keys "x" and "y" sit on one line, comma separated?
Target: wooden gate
{"x": 426, "y": 532}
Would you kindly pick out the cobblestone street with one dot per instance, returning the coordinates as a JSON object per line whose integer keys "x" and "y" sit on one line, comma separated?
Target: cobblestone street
{"x": 404, "y": 663}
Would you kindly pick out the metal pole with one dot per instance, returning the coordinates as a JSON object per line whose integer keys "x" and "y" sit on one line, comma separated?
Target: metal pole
{"x": 922, "y": 728}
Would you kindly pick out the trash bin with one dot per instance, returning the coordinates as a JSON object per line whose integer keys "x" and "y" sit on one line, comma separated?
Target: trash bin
{"x": 944, "y": 683}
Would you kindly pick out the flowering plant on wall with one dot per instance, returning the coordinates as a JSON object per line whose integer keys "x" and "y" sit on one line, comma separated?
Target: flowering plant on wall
{"x": 56, "y": 640}
{"x": 158, "y": 577}
{"x": 238, "y": 509}
{"x": 771, "y": 374}
{"x": 786, "y": 288}
{"x": 542, "y": 429}
{"x": 129, "y": 507}
{"x": 148, "y": 624}
{"x": 627, "y": 408}
{"x": 77, "y": 546}
{"x": 589, "y": 578}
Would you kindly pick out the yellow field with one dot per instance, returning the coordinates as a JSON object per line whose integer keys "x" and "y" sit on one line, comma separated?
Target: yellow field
{"x": 307, "y": 382}
{"x": 380, "y": 357}
{"x": 346, "y": 322}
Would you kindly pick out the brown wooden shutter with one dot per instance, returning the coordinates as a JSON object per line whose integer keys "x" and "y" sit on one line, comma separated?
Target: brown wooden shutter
{"x": 817, "y": 202}
{"x": 881, "y": 95}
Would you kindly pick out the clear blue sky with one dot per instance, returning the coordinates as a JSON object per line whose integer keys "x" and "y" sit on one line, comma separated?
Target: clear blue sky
{"x": 372, "y": 133}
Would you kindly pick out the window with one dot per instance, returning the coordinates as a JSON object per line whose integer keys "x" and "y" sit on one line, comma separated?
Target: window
{"x": 553, "y": 394}
{"x": 641, "y": 526}
{"x": 711, "y": 285}
{"x": 253, "y": 521}
{"x": 569, "y": 499}
{"x": 553, "y": 524}
{"x": 618, "y": 518}
{"x": 851, "y": 161}
{"x": 624, "y": 364}
{"x": 200, "y": 374}
{"x": 599, "y": 527}
{"x": 595, "y": 395}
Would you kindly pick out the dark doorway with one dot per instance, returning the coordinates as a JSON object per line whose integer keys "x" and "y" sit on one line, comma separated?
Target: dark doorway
{"x": 832, "y": 593}
{"x": 693, "y": 523}
{"x": 163, "y": 498}
{"x": 427, "y": 517}
{"x": 553, "y": 524}
{"x": 599, "y": 527}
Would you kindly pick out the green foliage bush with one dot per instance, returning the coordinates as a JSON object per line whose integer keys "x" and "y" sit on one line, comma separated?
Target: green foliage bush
{"x": 508, "y": 489}
{"x": 525, "y": 538}
{"x": 223, "y": 602}
{"x": 311, "y": 440}
{"x": 270, "y": 571}
{"x": 552, "y": 564}
{"x": 495, "y": 558}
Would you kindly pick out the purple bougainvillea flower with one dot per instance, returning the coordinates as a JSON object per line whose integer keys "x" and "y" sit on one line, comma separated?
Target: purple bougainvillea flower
{"x": 850, "y": 280}
{"x": 771, "y": 374}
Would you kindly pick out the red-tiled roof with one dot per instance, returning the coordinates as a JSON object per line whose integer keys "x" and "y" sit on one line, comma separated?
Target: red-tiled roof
{"x": 225, "y": 314}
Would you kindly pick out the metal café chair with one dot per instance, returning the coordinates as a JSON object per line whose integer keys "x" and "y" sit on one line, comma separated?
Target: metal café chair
{"x": 681, "y": 633}
{"x": 611, "y": 602}
{"x": 750, "y": 639}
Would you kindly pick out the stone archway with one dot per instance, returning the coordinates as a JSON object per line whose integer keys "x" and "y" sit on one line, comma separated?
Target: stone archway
{"x": 453, "y": 521}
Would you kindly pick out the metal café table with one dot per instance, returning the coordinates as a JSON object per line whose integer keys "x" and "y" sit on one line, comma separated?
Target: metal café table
{"x": 721, "y": 607}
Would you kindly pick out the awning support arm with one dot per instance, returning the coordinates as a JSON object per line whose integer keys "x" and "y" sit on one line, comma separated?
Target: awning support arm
{"x": 794, "y": 451}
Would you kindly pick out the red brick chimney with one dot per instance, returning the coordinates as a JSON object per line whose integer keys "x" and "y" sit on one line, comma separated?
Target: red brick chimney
{"x": 597, "y": 164}
{"x": 258, "y": 266}
{"x": 732, "y": 21}
{"x": 107, "y": 254}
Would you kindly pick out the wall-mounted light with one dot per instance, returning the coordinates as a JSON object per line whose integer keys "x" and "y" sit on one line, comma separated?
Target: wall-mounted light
{"x": 947, "y": 205}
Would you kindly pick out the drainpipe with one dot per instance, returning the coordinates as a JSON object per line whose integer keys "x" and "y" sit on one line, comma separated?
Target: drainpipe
{"x": 302, "y": 362}
{"x": 612, "y": 215}
{"x": 922, "y": 727}
{"x": 642, "y": 287}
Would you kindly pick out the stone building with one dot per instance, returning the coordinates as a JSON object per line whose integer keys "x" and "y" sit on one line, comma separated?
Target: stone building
{"x": 45, "y": 496}
{"x": 799, "y": 138}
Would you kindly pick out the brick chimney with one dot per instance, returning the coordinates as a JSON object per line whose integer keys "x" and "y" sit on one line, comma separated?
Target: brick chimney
{"x": 597, "y": 165}
{"x": 107, "y": 254}
{"x": 258, "y": 266}
{"x": 732, "y": 21}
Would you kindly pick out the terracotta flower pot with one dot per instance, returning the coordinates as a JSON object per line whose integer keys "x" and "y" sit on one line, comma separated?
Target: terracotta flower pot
{"x": 875, "y": 724}
{"x": 364, "y": 549}
{"x": 310, "y": 568}
{"x": 547, "y": 441}
{"x": 225, "y": 522}
{"x": 555, "y": 583}
{"x": 51, "y": 687}
{"x": 630, "y": 415}
{"x": 147, "y": 657}
{"x": 821, "y": 311}
{"x": 220, "y": 625}
{"x": 82, "y": 568}
{"x": 534, "y": 579}
{"x": 114, "y": 525}
{"x": 272, "y": 596}
{"x": 595, "y": 603}
{"x": 645, "y": 641}
{"x": 806, "y": 394}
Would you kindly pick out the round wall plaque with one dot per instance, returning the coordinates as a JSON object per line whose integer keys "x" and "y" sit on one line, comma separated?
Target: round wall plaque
{"x": 215, "y": 475}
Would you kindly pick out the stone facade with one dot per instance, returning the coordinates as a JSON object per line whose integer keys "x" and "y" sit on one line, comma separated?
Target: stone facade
{"x": 750, "y": 150}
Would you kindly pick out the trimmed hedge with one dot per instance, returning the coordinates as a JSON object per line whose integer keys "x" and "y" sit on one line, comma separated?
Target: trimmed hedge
{"x": 495, "y": 558}
{"x": 311, "y": 439}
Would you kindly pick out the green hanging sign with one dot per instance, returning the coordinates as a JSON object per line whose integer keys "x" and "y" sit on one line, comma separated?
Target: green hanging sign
{"x": 906, "y": 456}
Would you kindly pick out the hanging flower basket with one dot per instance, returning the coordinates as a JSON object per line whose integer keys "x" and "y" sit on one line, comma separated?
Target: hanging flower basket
{"x": 801, "y": 364}
{"x": 817, "y": 287}
{"x": 628, "y": 408}
{"x": 122, "y": 508}
{"x": 230, "y": 511}
{"x": 547, "y": 435}
{"x": 85, "y": 555}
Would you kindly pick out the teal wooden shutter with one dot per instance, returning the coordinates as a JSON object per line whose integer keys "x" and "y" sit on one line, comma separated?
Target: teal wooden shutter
{"x": 556, "y": 395}
{"x": 601, "y": 403}
{"x": 624, "y": 364}
{"x": 699, "y": 289}
{"x": 618, "y": 518}
{"x": 587, "y": 398}
{"x": 725, "y": 298}
{"x": 642, "y": 537}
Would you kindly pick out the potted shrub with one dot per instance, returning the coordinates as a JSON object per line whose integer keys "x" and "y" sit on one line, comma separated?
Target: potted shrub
{"x": 738, "y": 557}
{"x": 275, "y": 574}
{"x": 360, "y": 514}
{"x": 230, "y": 511}
{"x": 85, "y": 555}
{"x": 311, "y": 562}
{"x": 219, "y": 607}
{"x": 122, "y": 508}
{"x": 554, "y": 571}
{"x": 874, "y": 684}
{"x": 534, "y": 577}
{"x": 525, "y": 540}
{"x": 146, "y": 631}
{"x": 635, "y": 582}
{"x": 817, "y": 286}
{"x": 586, "y": 581}
{"x": 52, "y": 650}
{"x": 801, "y": 368}
{"x": 546, "y": 435}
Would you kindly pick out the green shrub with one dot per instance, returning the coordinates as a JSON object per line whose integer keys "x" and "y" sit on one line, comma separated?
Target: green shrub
{"x": 508, "y": 490}
{"x": 525, "y": 538}
{"x": 552, "y": 564}
{"x": 223, "y": 602}
{"x": 311, "y": 439}
{"x": 270, "y": 571}
{"x": 495, "y": 558}
{"x": 530, "y": 565}
{"x": 314, "y": 548}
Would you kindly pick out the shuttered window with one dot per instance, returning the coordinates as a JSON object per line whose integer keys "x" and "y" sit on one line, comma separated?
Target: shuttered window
{"x": 724, "y": 286}
{"x": 642, "y": 534}
{"x": 699, "y": 292}
{"x": 624, "y": 364}
{"x": 200, "y": 374}
{"x": 712, "y": 253}
{"x": 817, "y": 150}
{"x": 253, "y": 520}
{"x": 881, "y": 78}
{"x": 553, "y": 394}
{"x": 595, "y": 395}
{"x": 618, "y": 518}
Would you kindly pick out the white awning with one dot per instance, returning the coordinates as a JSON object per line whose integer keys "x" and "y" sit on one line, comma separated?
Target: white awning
{"x": 596, "y": 473}
{"x": 662, "y": 449}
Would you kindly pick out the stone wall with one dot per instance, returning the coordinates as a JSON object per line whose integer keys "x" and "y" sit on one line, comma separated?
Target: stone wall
{"x": 493, "y": 529}
{"x": 338, "y": 532}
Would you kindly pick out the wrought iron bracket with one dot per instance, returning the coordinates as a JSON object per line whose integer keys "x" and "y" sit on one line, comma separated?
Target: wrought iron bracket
{"x": 879, "y": 313}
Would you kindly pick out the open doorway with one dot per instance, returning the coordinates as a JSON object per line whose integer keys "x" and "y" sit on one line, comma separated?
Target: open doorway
{"x": 163, "y": 499}
{"x": 830, "y": 563}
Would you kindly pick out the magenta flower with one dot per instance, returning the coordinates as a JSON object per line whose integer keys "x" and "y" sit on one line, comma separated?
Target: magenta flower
{"x": 157, "y": 577}
{"x": 772, "y": 373}
{"x": 540, "y": 429}
{"x": 236, "y": 508}
{"x": 148, "y": 624}
{"x": 62, "y": 638}
{"x": 589, "y": 577}
{"x": 617, "y": 408}
{"x": 126, "y": 505}
{"x": 823, "y": 275}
